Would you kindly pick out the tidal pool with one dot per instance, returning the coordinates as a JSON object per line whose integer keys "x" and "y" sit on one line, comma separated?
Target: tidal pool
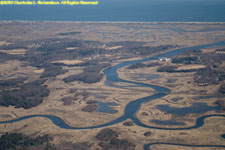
{"x": 198, "y": 107}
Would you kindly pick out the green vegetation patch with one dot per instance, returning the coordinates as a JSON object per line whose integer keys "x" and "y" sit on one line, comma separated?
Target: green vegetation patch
{"x": 185, "y": 60}
{"x": 109, "y": 141}
{"x": 18, "y": 141}
{"x": 107, "y": 134}
{"x": 142, "y": 65}
{"x": 91, "y": 74}
{"x": 53, "y": 71}
{"x": 87, "y": 77}
{"x": 222, "y": 89}
{"x": 26, "y": 96}
{"x": 12, "y": 82}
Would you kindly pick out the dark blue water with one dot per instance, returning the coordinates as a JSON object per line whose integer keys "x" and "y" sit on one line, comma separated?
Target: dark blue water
{"x": 123, "y": 10}
{"x": 223, "y": 136}
{"x": 106, "y": 107}
{"x": 167, "y": 122}
{"x": 195, "y": 108}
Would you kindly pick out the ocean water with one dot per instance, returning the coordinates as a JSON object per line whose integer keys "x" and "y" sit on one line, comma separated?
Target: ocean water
{"x": 122, "y": 10}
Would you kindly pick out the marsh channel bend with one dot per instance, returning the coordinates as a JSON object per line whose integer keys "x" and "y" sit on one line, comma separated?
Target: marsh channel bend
{"x": 133, "y": 106}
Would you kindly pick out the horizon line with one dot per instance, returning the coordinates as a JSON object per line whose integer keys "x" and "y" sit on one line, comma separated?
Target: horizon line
{"x": 133, "y": 22}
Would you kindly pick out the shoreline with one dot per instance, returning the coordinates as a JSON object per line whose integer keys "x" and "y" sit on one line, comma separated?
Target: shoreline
{"x": 113, "y": 22}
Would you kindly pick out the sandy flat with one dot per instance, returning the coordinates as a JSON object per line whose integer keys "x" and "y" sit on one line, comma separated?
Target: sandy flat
{"x": 72, "y": 48}
{"x": 208, "y": 50}
{"x": 114, "y": 47}
{"x": 14, "y": 52}
{"x": 3, "y": 43}
{"x": 68, "y": 62}
{"x": 38, "y": 71}
{"x": 220, "y": 52}
{"x": 186, "y": 67}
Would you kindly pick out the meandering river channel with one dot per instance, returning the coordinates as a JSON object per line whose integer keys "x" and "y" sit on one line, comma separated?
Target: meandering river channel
{"x": 133, "y": 106}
